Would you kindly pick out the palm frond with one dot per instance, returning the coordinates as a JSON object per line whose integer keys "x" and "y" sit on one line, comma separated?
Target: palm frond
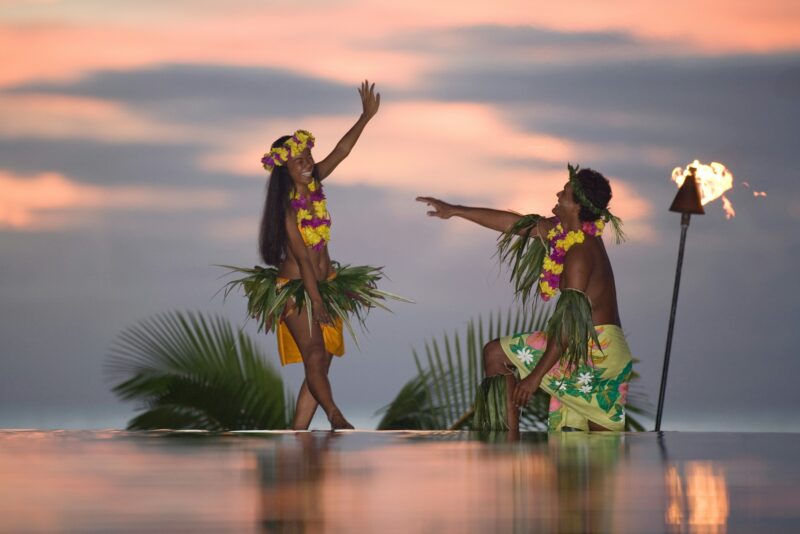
{"x": 450, "y": 369}
{"x": 523, "y": 253}
{"x": 411, "y": 409}
{"x": 191, "y": 371}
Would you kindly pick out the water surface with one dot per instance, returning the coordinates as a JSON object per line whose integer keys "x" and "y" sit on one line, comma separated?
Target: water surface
{"x": 99, "y": 481}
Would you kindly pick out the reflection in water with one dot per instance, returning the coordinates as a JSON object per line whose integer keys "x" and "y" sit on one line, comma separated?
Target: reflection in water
{"x": 586, "y": 465}
{"x": 398, "y": 482}
{"x": 291, "y": 484}
{"x": 562, "y": 482}
{"x": 705, "y": 498}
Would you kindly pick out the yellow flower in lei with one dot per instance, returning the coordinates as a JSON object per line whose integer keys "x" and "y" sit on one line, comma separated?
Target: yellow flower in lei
{"x": 320, "y": 210}
{"x": 560, "y": 242}
{"x": 303, "y": 214}
{"x": 550, "y": 265}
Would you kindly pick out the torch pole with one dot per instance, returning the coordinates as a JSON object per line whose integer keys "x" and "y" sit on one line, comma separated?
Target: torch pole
{"x": 685, "y": 217}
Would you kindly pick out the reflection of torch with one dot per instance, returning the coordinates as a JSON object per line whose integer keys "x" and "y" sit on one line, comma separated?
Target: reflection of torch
{"x": 699, "y": 499}
{"x": 699, "y": 184}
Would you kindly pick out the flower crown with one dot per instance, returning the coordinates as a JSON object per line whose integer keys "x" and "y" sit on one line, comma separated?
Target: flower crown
{"x": 583, "y": 200}
{"x": 292, "y": 147}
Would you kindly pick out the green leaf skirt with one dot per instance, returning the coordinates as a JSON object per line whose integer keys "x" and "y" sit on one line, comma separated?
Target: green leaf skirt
{"x": 350, "y": 292}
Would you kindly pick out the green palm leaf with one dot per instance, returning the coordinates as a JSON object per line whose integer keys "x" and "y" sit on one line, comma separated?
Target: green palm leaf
{"x": 191, "y": 371}
{"x": 441, "y": 395}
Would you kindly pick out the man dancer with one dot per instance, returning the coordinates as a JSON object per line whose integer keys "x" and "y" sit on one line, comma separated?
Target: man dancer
{"x": 581, "y": 359}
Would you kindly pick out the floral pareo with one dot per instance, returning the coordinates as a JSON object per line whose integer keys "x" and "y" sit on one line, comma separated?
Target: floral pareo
{"x": 593, "y": 392}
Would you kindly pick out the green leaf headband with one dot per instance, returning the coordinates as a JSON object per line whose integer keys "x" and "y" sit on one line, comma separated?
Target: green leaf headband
{"x": 605, "y": 214}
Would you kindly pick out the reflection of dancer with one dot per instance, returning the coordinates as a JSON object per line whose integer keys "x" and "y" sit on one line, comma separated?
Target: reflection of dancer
{"x": 582, "y": 359}
{"x": 307, "y": 297}
{"x": 292, "y": 482}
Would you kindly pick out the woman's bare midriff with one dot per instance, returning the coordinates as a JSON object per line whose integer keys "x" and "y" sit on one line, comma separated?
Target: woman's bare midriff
{"x": 320, "y": 260}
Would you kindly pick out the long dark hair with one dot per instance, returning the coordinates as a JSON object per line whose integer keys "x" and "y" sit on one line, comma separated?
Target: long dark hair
{"x": 272, "y": 236}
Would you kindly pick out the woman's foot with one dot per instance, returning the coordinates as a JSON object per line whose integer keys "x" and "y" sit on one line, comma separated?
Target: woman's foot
{"x": 338, "y": 422}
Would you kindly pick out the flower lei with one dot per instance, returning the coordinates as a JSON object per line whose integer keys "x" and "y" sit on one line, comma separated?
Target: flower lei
{"x": 560, "y": 242}
{"x": 294, "y": 146}
{"x": 313, "y": 221}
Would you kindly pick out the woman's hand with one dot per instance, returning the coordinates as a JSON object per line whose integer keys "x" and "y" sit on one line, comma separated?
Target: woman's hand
{"x": 441, "y": 209}
{"x": 370, "y": 100}
{"x": 319, "y": 314}
{"x": 524, "y": 390}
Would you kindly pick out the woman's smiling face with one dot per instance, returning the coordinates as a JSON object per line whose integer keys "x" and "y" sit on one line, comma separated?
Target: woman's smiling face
{"x": 300, "y": 167}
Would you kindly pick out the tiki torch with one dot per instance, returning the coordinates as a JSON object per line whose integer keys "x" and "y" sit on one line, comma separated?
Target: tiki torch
{"x": 686, "y": 202}
{"x": 698, "y": 185}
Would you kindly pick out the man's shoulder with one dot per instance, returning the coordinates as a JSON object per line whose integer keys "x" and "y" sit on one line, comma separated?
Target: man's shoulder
{"x": 581, "y": 251}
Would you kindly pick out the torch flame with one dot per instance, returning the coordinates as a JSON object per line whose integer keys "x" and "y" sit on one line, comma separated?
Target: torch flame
{"x": 755, "y": 193}
{"x": 728, "y": 208}
{"x": 712, "y": 180}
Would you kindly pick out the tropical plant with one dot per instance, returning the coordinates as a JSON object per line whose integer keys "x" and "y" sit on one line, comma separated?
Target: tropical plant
{"x": 441, "y": 395}
{"x": 190, "y": 371}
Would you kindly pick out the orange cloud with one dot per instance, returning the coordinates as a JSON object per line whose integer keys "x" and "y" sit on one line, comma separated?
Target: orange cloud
{"x": 342, "y": 41}
{"x": 51, "y": 201}
{"x": 537, "y": 194}
{"x": 423, "y": 146}
{"x": 65, "y": 51}
{"x": 55, "y": 116}
{"x": 443, "y": 149}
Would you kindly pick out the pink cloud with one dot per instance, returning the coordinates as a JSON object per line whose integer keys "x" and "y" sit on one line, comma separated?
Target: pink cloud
{"x": 442, "y": 149}
{"x": 50, "y": 201}
{"x": 55, "y": 116}
{"x": 418, "y": 146}
{"x": 342, "y": 41}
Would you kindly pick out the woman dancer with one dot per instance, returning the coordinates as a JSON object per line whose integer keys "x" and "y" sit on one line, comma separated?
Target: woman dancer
{"x": 306, "y": 296}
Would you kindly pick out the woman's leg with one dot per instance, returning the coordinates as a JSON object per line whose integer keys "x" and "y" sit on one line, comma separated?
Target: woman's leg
{"x": 316, "y": 362}
{"x": 304, "y": 409}
{"x": 495, "y": 362}
{"x": 306, "y": 406}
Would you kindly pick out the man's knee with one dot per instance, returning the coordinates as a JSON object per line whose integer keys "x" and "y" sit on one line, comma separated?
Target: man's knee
{"x": 494, "y": 359}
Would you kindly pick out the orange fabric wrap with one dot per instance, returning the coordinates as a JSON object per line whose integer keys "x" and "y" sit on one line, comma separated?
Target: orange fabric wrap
{"x": 290, "y": 352}
{"x": 332, "y": 335}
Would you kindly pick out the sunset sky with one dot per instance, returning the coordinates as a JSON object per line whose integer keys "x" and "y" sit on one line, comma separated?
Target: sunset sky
{"x": 131, "y": 134}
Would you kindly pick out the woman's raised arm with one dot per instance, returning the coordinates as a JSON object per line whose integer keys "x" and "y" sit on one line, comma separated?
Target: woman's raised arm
{"x": 370, "y": 102}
